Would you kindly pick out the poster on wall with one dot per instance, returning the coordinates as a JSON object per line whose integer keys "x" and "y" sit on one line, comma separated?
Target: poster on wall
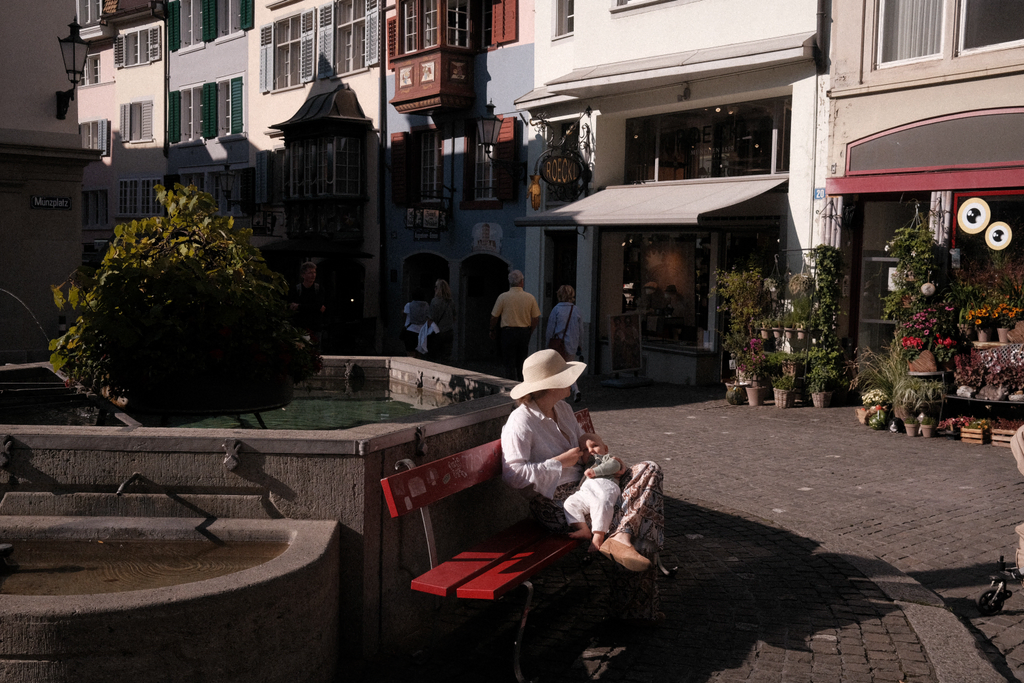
{"x": 625, "y": 342}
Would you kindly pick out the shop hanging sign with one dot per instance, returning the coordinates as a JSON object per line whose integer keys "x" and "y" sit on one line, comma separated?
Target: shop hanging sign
{"x": 565, "y": 172}
{"x": 973, "y": 216}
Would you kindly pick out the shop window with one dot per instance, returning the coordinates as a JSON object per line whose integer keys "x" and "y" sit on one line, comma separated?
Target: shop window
{"x": 714, "y": 142}
{"x": 665, "y": 279}
{"x": 990, "y": 22}
{"x": 909, "y": 29}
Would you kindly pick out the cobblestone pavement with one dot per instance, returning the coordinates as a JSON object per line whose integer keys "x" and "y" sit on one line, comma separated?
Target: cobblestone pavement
{"x": 809, "y": 547}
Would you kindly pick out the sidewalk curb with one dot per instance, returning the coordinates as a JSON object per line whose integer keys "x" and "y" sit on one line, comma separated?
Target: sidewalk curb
{"x": 952, "y": 649}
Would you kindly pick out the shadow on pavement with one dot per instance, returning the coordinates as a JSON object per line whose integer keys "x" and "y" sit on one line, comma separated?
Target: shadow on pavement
{"x": 750, "y": 600}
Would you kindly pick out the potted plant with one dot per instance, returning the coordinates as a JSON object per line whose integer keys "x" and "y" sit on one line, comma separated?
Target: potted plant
{"x": 183, "y": 315}
{"x": 913, "y": 395}
{"x": 821, "y": 382}
{"x": 914, "y": 247}
{"x": 785, "y": 390}
{"x": 976, "y": 431}
{"x": 911, "y": 426}
{"x": 931, "y": 338}
{"x": 927, "y": 423}
{"x": 741, "y": 294}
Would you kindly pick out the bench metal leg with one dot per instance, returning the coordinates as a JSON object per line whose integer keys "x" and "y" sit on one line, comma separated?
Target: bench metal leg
{"x": 661, "y": 567}
{"x": 522, "y": 627}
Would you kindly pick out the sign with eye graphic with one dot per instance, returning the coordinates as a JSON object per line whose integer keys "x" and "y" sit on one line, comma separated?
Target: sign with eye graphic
{"x": 998, "y": 235}
{"x": 974, "y": 215}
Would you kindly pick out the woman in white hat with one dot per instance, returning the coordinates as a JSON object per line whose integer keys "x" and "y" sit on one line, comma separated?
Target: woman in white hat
{"x": 542, "y": 446}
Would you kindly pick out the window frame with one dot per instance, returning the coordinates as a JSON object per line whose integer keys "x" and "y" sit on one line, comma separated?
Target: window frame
{"x": 95, "y": 209}
{"x": 430, "y": 165}
{"x": 354, "y": 30}
{"x": 89, "y": 12}
{"x": 135, "y": 118}
{"x": 195, "y": 108}
{"x": 229, "y": 17}
{"x": 92, "y": 73}
{"x": 130, "y": 200}
{"x": 880, "y": 45}
{"x": 962, "y": 34}
{"x": 564, "y": 18}
{"x": 194, "y": 25}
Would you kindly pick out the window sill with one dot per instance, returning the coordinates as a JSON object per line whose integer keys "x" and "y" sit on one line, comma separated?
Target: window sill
{"x": 565, "y": 37}
{"x": 185, "y": 144}
{"x": 230, "y": 37}
{"x": 288, "y": 88}
{"x": 232, "y": 137}
{"x": 189, "y": 49}
{"x": 645, "y": 4}
{"x": 139, "y": 142}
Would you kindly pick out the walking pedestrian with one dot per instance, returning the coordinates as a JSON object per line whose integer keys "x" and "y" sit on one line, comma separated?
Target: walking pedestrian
{"x": 309, "y": 303}
{"x": 442, "y": 312}
{"x": 515, "y": 316}
{"x": 565, "y": 325}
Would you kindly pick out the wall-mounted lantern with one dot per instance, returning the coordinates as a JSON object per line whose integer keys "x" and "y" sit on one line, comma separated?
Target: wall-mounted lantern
{"x": 73, "y": 50}
{"x": 488, "y": 129}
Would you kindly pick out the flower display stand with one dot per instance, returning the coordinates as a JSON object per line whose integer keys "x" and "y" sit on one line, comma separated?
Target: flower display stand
{"x": 1002, "y": 437}
{"x": 975, "y": 436}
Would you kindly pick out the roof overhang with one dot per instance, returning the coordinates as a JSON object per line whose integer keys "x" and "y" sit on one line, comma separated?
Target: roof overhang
{"x": 670, "y": 203}
{"x": 652, "y": 72}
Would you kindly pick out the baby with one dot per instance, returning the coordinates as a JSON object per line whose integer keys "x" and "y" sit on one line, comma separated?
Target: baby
{"x": 597, "y": 496}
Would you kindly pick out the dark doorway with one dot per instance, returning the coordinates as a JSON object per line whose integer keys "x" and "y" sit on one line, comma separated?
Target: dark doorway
{"x": 484, "y": 277}
{"x": 563, "y": 267}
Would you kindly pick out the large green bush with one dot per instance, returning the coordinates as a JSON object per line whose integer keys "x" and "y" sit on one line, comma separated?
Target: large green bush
{"x": 178, "y": 298}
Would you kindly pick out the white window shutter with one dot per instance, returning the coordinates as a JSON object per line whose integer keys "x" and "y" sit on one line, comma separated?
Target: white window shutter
{"x": 126, "y": 122}
{"x": 262, "y": 177}
{"x": 147, "y": 121}
{"x": 154, "y": 44}
{"x": 266, "y": 58}
{"x": 119, "y": 52}
{"x": 325, "y": 53}
{"x": 103, "y": 128}
{"x": 371, "y": 44}
{"x": 308, "y": 38}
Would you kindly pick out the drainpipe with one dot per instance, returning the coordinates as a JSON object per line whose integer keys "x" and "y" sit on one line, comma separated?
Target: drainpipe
{"x": 820, "y": 32}
{"x": 382, "y": 117}
{"x": 162, "y": 4}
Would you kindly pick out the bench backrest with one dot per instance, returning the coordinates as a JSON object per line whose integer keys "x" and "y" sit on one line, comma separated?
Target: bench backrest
{"x": 418, "y": 487}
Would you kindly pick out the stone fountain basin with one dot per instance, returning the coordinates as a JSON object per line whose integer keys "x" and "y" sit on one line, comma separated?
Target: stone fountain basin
{"x": 277, "y": 621}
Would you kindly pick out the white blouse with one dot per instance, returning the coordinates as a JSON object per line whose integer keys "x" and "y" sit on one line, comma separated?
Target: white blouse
{"x": 529, "y": 440}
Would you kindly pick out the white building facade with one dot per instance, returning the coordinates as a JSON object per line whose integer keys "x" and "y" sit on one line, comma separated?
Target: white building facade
{"x": 702, "y": 126}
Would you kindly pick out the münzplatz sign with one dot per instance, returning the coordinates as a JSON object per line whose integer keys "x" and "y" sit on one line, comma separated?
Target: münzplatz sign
{"x": 51, "y": 203}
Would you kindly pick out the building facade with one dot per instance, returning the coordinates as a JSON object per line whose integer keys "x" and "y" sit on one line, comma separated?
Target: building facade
{"x": 41, "y": 164}
{"x": 927, "y": 117}
{"x": 452, "y": 199}
{"x": 666, "y": 154}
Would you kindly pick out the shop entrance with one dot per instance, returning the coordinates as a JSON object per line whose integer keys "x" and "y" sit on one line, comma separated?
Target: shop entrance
{"x": 483, "y": 278}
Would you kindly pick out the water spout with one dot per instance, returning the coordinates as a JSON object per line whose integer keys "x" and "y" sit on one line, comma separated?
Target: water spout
{"x": 45, "y": 336}
{"x": 136, "y": 476}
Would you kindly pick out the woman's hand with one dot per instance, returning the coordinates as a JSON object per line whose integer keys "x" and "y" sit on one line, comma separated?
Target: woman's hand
{"x": 570, "y": 458}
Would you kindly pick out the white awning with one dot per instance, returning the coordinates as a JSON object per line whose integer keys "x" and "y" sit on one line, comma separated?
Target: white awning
{"x": 669, "y": 203}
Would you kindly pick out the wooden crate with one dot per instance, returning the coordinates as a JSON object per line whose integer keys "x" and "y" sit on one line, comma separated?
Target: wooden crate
{"x": 975, "y": 436}
{"x": 1002, "y": 437}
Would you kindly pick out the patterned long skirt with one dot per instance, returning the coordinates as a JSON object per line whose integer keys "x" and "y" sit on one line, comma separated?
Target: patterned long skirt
{"x": 641, "y": 514}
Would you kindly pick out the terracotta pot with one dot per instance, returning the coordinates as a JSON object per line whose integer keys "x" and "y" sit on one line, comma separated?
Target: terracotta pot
{"x": 1004, "y": 334}
{"x": 927, "y": 431}
{"x": 983, "y": 334}
{"x": 911, "y": 428}
{"x": 754, "y": 396}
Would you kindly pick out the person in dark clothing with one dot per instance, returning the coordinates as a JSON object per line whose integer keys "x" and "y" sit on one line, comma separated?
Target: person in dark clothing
{"x": 308, "y": 301}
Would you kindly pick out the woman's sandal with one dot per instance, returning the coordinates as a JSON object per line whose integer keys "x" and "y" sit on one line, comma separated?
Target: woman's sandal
{"x": 626, "y": 555}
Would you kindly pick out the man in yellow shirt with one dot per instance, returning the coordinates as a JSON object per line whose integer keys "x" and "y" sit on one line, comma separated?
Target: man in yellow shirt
{"x": 517, "y": 314}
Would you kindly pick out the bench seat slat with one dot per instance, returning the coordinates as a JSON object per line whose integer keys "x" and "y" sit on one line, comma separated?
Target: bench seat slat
{"x": 410, "y": 490}
{"x": 446, "y": 577}
{"x": 503, "y": 576}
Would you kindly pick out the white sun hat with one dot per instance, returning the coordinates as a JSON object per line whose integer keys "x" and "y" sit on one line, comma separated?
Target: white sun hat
{"x": 547, "y": 369}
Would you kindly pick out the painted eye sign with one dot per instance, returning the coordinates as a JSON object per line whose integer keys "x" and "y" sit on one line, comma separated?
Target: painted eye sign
{"x": 998, "y": 235}
{"x": 974, "y": 215}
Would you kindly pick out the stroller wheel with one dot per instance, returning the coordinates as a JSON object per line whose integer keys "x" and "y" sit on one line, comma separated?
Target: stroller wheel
{"x": 990, "y": 602}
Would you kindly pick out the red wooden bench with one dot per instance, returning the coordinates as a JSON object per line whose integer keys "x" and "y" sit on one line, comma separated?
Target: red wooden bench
{"x": 493, "y": 567}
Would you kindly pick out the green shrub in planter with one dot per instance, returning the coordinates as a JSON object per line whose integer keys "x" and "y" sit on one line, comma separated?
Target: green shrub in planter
{"x": 180, "y": 298}
{"x": 784, "y": 383}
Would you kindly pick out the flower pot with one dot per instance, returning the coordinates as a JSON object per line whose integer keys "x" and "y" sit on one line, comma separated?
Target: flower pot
{"x": 765, "y": 332}
{"x": 927, "y": 431}
{"x": 911, "y": 428}
{"x": 754, "y": 396}
{"x": 801, "y": 334}
{"x": 789, "y": 332}
{"x": 777, "y": 331}
{"x": 735, "y": 394}
{"x": 784, "y": 398}
{"x": 975, "y": 436}
{"x": 822, "y": 399}
{"x": 1003, "y": 333}
{"x": 983, "y": 334}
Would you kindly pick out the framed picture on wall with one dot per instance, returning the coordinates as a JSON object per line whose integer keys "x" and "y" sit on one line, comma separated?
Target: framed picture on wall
{"x": 625, "y": 342}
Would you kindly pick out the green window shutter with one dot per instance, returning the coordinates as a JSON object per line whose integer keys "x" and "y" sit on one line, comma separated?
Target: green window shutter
{"x": 209, "y": 20}
{"x": 174, "y": 116}
{"x": 236, "y": 105}
{"x": 209, "y": 110}
{"x": 174, "y": 25}
{"x": 248, "y": 15}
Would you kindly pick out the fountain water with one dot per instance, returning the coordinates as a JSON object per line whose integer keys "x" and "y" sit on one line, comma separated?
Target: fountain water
{"x": 25, "y": 306}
